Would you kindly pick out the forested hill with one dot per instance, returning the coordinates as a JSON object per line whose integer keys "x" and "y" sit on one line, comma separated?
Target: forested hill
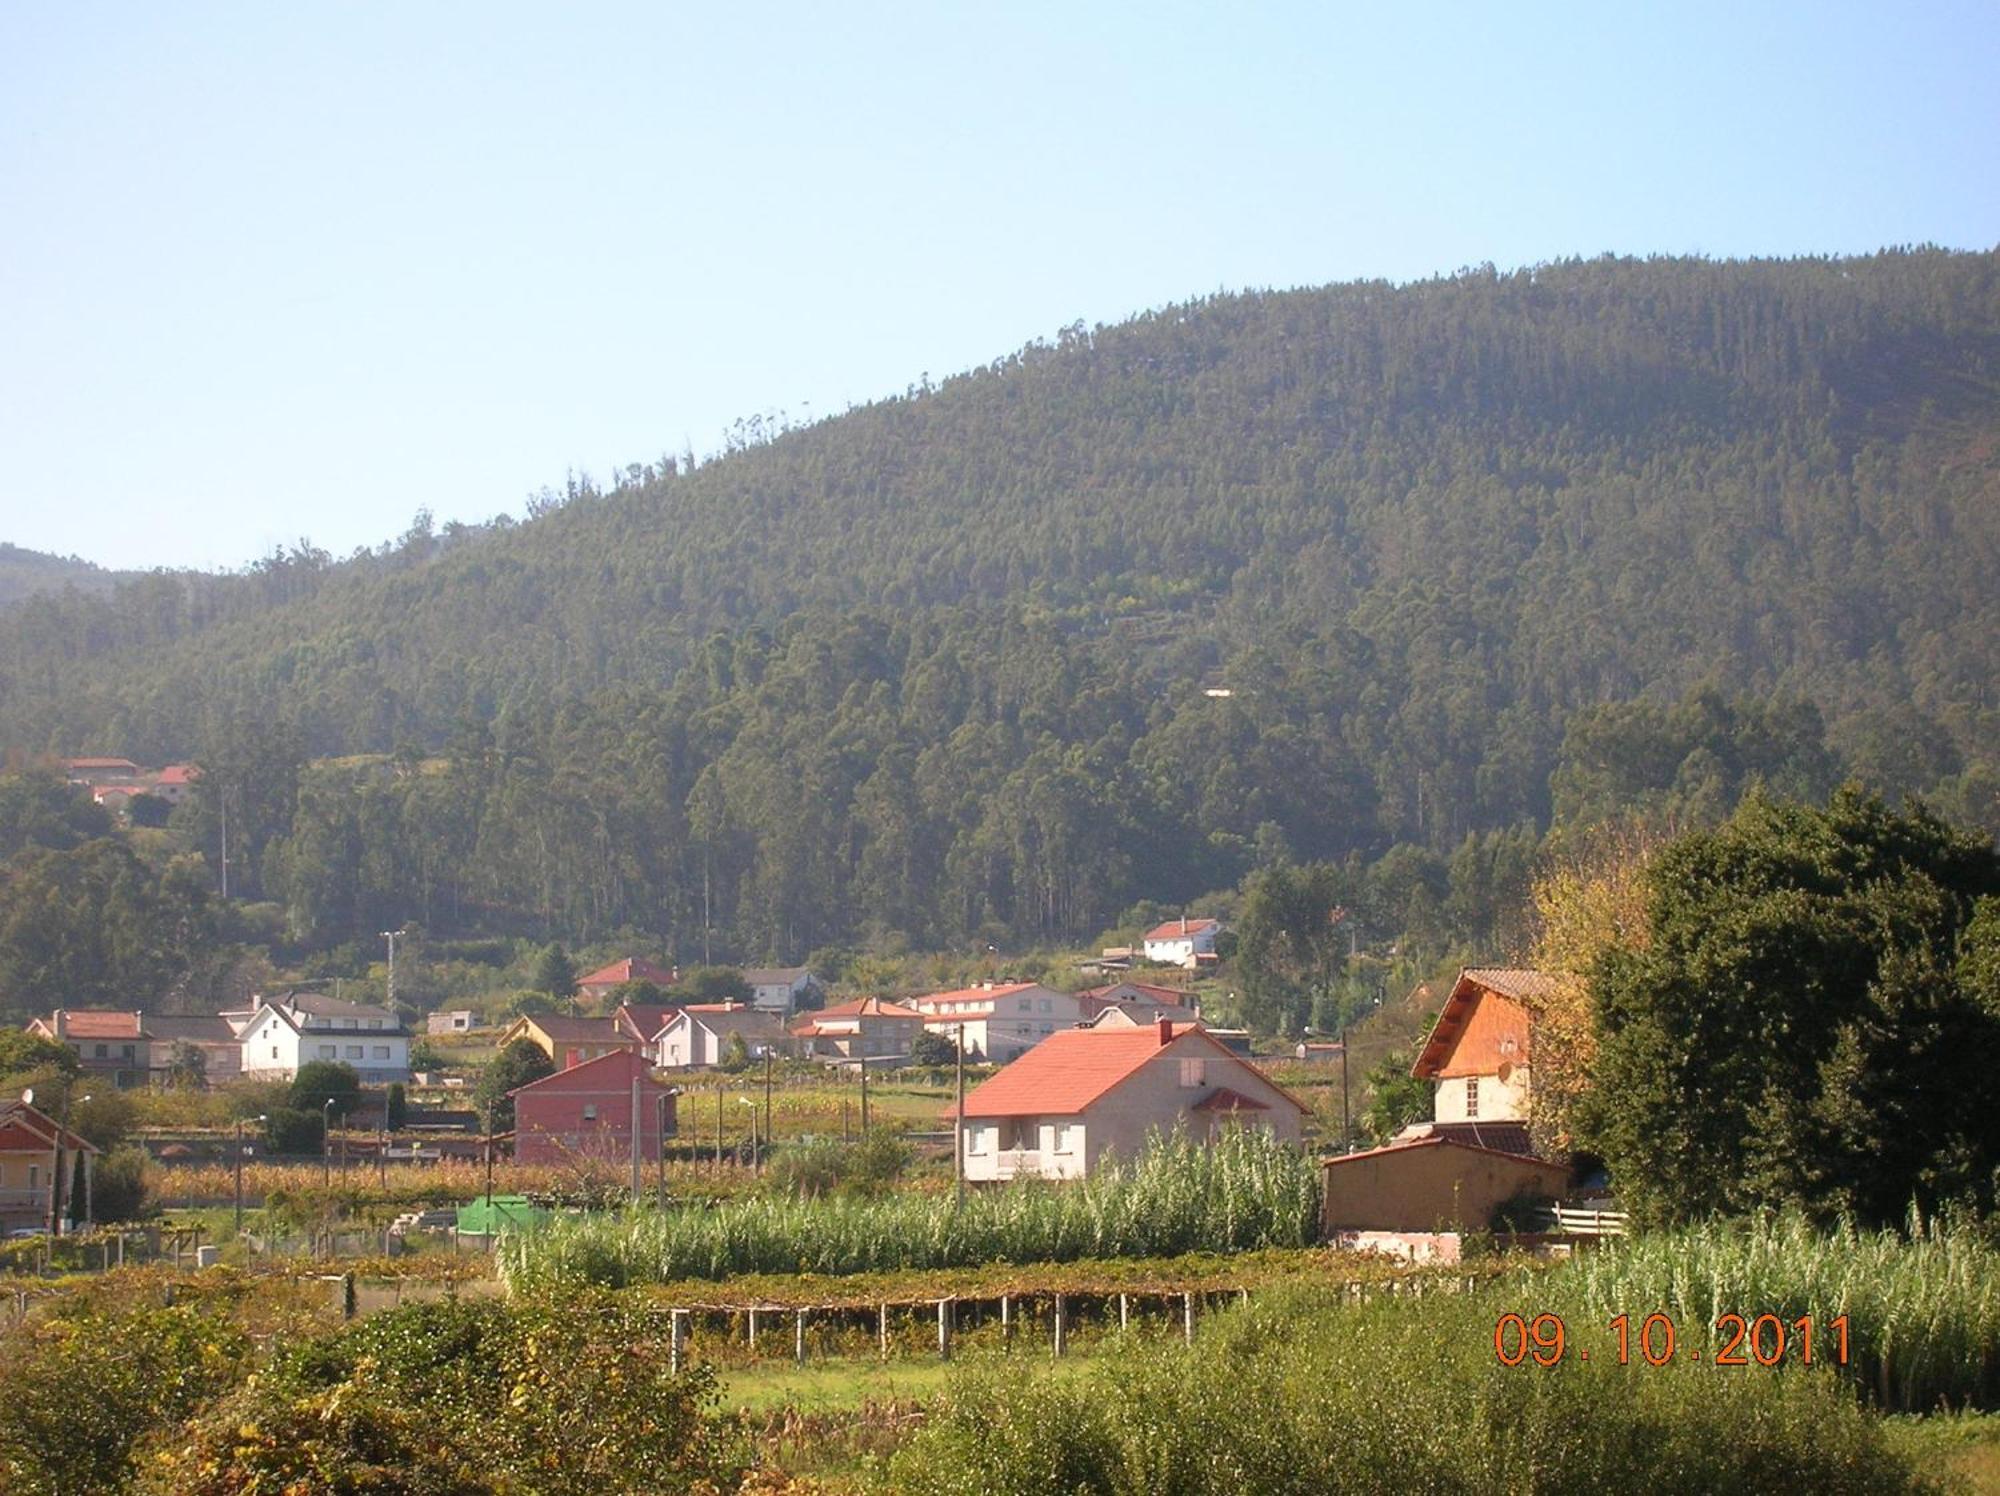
{"x": 24, "y": 573}
{"x": 948, "y": 652}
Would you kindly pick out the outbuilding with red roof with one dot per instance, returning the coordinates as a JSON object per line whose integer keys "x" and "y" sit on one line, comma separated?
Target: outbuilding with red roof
{"x": 1082, "y": 1094}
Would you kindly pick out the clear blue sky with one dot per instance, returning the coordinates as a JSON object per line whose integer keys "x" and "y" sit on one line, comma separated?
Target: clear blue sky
{"x": 282, "y": 270}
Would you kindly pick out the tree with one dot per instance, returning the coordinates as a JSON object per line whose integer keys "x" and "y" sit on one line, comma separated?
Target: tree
{"x": 1810, "y": 1023}
{"x": 711, "y": 984}
{"x": 1396, "y": 1098}
{"x": 1293, "y": 942}
{"x": 395, "y": 1107}
{"x": 515, "y": 1066}
{"x": 932, "y": 1048}
{"x": 22, "y": 1052}
{"x": 321, "y": 1081}
{"x": 187, "y": 1067}
{"x": 555, "y": 973}
{"x": 735, "y": 1055}
{"x": 288, "y": 1130}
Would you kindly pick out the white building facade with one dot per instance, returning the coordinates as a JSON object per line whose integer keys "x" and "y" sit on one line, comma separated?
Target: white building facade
{"x": 288, "y": 1032}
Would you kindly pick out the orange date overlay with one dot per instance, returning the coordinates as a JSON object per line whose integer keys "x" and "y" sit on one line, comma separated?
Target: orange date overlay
{"x": 1744, "y": 1340}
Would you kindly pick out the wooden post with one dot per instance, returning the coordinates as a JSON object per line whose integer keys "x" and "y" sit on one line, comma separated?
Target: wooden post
{"x": 1062, "y": 1328}
{"x": 882, "y": 1329}
{"x": 1124, "y": 1313}
{"x": 677, "y": 1339}
{"x": 753, "y": 1332}
{"x": 1006, "y": 1322}
{"x": 800, "y": 1338}
{"x": 1243, "y": 1297}
{"x": 944, "y": 1329}
{"x": 1187, "y": 1317}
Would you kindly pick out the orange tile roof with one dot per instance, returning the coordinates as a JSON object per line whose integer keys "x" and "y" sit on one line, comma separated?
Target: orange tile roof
{"x": 976, "y": 994}
{"x": 1177, "y": 929}
{"x": 1071, "y": 1068}
{"x": 631, "y": 969}
{"x": 97, "y": 1025}
{"x": 1511, "y": 984}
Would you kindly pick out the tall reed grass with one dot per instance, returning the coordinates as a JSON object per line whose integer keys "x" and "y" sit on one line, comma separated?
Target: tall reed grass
{"x": 1923, "y": 1305}
{"x": 1242, "y": 1192}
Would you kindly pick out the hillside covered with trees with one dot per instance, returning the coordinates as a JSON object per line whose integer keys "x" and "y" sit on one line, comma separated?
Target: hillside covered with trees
{"x": 1469, "y": 558}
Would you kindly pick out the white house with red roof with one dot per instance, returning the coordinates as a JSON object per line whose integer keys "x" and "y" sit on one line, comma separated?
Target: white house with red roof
{"x": 1183, "y": 942}
{"x": 1084, "y": 1093}
{"x": 1000, "y": 1021}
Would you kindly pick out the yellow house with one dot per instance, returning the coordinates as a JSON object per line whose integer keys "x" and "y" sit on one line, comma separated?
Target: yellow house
{"x": 33, "y": 1150}
{"x": 567, "y": 1040}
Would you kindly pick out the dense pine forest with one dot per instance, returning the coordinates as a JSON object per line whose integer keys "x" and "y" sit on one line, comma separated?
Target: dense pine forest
{"x": 1398, "y": 577}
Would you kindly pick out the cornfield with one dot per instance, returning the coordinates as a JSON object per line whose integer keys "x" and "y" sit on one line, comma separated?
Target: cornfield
{"x": 1244, "y": 1191}
{"x": 1923, "y": 1306}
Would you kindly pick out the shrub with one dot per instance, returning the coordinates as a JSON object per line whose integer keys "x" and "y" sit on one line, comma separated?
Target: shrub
{"x": 287, "y": 1130}
{"x": 118, "y": 1184}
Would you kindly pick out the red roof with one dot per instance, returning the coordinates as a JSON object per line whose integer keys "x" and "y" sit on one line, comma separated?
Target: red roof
{"x": 95, "y": 1024}
{"x": 631, "y": 969}
{"x": 1513, "y": 986}
{"x": 1180, "y": 929}
{"x": 646, "y": 1019}
{"x": 1070, "y": 1069}
{"x": 180, "y": 774}
{"x": 861, "y": 1007}
{"x": 99, "y": 763}
{"x": 976, "y": 994}
{"x": 620, "y": 1067}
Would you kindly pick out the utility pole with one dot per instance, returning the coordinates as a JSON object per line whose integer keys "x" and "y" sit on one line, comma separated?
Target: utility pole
{"x": 958, "y": 1115}
{"x": 390, "y": 936}
{"x": 326, "y": 1140}
{"x": 864, "y": 1098}
{"x": 767, "y": 1095}
{"x": 223, "y": 798}
{"x": 664, "y": 1099}
{"x": 1346, "y": 1132}
{"x": 638, "y": 1185}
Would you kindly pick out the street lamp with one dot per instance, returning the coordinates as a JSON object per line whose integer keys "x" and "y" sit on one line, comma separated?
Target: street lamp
{"x": 239, "y": 1169}
{"x": 391, "y": 936}
{"x": 56, "y": 1178}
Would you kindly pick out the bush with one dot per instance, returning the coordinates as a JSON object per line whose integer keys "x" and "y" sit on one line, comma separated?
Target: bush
{"x": 287, "y": 1130}
{"x": 118, "y": 1185}
{"x": 1392, "y": 1397}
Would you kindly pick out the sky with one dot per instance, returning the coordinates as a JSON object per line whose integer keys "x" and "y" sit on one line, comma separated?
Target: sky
{"x": 284, "y": 272}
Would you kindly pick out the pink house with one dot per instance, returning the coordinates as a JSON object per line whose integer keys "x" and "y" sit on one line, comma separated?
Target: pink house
{"x": 587, "y": 1112}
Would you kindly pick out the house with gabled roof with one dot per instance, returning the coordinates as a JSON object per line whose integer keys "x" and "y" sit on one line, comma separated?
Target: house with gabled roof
{"x": 1477, "y": 1054}
{"x": 568, "y": 1039}
{"x": 34, "y": 1147}
{"x": 642, "y": 1022}
{"x": 602, "y": 982}
{"x": 868, "y": 1028}
{"x": 1135, "y": 1004}
{"x": 590, "y": 1112}
{"x": 1000, "y": 1021}
{"x": 286, "y": 1032}
{"x": 1086, "y": 1093}
{"x": 1183, "y": 942}
{"x": 778, "y": 989}
{"x": 698, "y": 1035}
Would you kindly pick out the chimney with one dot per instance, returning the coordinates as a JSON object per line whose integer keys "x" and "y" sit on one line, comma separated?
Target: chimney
{"x": 62, "y": 1018}
{"x": 1166, "y": 1032}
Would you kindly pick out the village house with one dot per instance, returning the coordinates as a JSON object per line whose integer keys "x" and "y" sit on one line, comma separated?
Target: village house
{"x": 566, "y": 1039}
{"x": 175, "y": 782}
{"x": 208, "y": 1034}
{"x": 97, "y": 771}
{"x": 641, "y": 1022}
{"x": 1000, "y": 1020}
{"x": 869, "y": 1028}
{"x": 1135, "y": 1004}
{"x": 697, "y": 1037}
{"x": 1085, "y": 1093}
{"x": 778, "y": 989}
{"x": 111, "y": 1047}
{"x": 451, "y": 1021}
{"x": 284, "y": 1033}
{"x": 1183, "y": 942}
{"x": 1438, "y": 1182}
{"x": 601, "y": 983}
{"x": 31, "y": 1145}
{"x": 1476, "y": 1059}
{"x": 590, "y": 1111}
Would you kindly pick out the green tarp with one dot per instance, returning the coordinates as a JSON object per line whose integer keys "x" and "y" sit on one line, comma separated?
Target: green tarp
{"x": 490, "y": 1216}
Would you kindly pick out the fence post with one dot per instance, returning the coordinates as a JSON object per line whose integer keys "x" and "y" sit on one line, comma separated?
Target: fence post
{"x": 1187, "y": 1317}
{"x": 753, "y": 1332}
{"x": 799, "y": 1338}
{"x": 1061, "y": 1327}
{"x": 1006, "y": 1322}
{"x": 676, "y": 1340}
{"x": 882, "y": 1329}
{"x": 1124, "y": 1315}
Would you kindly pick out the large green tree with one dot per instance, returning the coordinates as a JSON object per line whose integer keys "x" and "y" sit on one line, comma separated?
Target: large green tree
{"x": 1811, "y": 1021}
{"x": 515, "y": 1066}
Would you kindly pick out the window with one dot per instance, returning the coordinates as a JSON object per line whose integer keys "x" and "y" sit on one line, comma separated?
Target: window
{"x": 381, "y": 1051}
{"x": 274, "y": 1051}
{"x": 590, "y": 1113}
{"x": 1027, "y": 1005}
{"x": 128, "y": 1051}
{"x": 1069, "y": 1137}
{"x": 34, "y": 1175}
{"x": 354, "y": 1051}
{"x": 328, "y": 1051}
{"x": 103, "y": 1051}
{"x": 977, "y": 1138}
{"x": 1048, "y": 1005}
{"x": 375, "y": 1023}
{"x": 1471, "y": 1097}
{"x": 1193, "y": 1074}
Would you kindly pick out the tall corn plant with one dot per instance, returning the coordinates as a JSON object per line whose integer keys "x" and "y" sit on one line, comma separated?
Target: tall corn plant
{"x": 1243, "y": 1191}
